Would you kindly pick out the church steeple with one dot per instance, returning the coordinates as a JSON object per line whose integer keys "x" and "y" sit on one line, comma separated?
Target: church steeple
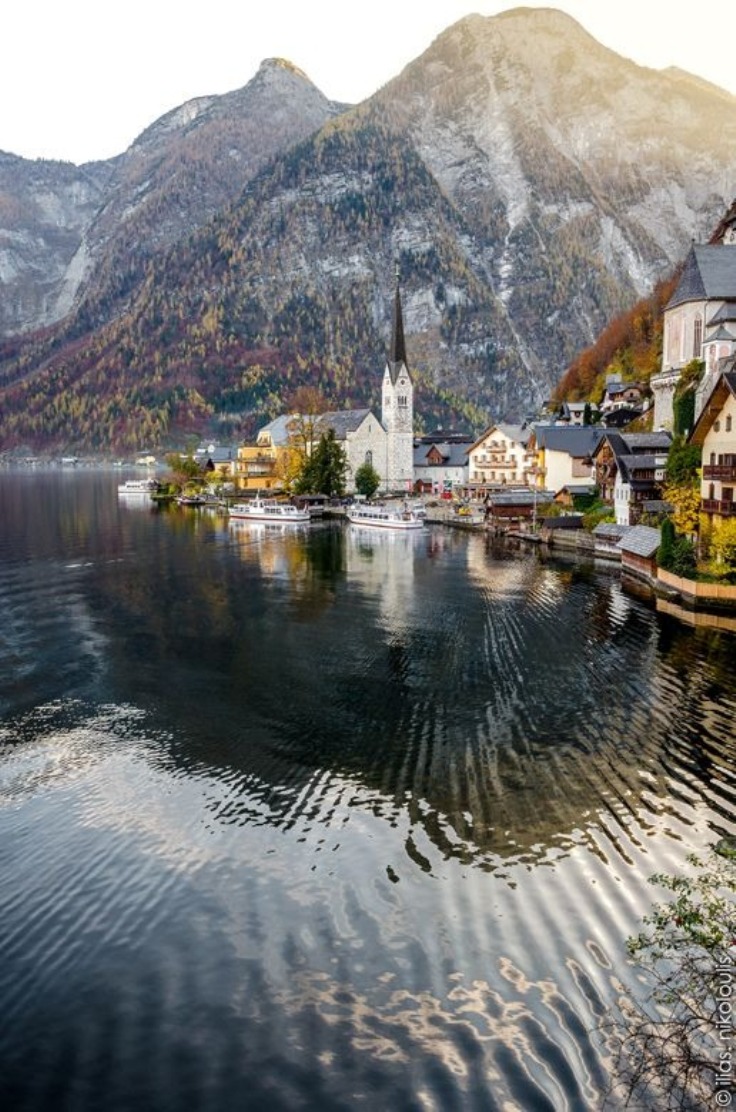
{"x": 397, "y": 355}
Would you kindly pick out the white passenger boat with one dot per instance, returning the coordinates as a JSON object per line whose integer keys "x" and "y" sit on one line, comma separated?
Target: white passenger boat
{"x": 138, "y": 487}
{"x": 385, "y": 517}
{"x": 269, "y": 509}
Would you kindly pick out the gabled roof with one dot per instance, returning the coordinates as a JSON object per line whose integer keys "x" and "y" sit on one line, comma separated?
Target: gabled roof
{"x": 723, "y": 387}
{"x": 636, "y": 444}
{"x": 640, "y": 540}
{"x": 578, "y": 442}
{"x": 520, "y": 434}
{"x": 278, "y": 429}
{"x": 521, "y": 497}
{"x": 453, "y": 455}
{"x": 343, "y": 421}
{"x": 640, "y": 441}
{"x": 709, "y": 274}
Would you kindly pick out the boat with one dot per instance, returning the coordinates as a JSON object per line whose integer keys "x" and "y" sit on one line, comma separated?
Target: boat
{"x": 385, "y": 517}
{"x": 139, "y": 487}
{"x": 269, "y": 509}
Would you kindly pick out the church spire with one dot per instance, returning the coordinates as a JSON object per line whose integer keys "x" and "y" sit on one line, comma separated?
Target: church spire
{"x": 398, "y": 345}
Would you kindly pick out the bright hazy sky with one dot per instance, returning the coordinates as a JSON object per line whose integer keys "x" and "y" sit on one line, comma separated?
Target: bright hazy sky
{"x": 80, "y": 79}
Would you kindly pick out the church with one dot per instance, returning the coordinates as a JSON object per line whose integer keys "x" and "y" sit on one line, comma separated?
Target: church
{"x": 387, "y": 445}
{"x": 699, "y": 319}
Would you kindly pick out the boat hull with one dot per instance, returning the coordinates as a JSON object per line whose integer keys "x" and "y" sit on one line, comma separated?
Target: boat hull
{"x": 281, "y": 514}
{"x": 399, "y": 523}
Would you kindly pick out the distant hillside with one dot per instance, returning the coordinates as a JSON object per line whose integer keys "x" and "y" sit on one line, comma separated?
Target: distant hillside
{"x": 524, "y": 177}
{"x": 631, "y": 345}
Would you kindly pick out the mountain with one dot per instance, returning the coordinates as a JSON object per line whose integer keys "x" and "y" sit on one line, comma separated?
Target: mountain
{"x": 71, "y": 233}
{"x": 530, "y": 184}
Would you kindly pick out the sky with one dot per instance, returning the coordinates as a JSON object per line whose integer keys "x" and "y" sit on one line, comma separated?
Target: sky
{"x": 79, "y": 79}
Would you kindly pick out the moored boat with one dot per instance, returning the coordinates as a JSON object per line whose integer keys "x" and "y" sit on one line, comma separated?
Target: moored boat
{"x": 269, "y": 509}
{"x": 385, "y": 517}
{"x": 138, "y": 487}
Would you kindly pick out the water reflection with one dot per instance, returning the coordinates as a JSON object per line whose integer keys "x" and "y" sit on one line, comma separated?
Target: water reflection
{"x": 378, "y": 812}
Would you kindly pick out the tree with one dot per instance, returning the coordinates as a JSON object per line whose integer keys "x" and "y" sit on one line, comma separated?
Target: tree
{"x": 683, "y": 461}
{"x": 675, "y": 1050}
{"x": 324, "y": 471}
{"x": 185, "y": 469}
{"x": 367, "y": 480}
{"x": 666, "y": 544}
{"x": 685, "y": 501}
{"x": 723, "y": 543}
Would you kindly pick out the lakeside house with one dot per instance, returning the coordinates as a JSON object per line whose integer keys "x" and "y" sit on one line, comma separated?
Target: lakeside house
{"x": 503, "y": 455}
{"x": 441, "y": 462}
{"x": 564, "y": 456}
{"x": 630, "y": 470}
{"x": 715, "y": 434}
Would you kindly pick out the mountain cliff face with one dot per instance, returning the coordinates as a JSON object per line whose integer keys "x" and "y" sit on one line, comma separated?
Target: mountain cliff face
{"x": 530, "y": 183}
{"x": 89, "y": 231}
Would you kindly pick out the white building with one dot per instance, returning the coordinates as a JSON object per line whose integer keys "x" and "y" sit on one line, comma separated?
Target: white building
{"x": 699, "y": 319}
{"x": 501, "y": 456}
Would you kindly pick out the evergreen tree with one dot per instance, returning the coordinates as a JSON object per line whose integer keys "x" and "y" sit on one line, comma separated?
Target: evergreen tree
{"x": 667, "y": 544}
{"x": 367, "y": 480}
{"x": 324, "y": 471}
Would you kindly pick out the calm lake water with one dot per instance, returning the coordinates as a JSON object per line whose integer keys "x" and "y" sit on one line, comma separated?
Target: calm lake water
{"x": 324, "y": 819}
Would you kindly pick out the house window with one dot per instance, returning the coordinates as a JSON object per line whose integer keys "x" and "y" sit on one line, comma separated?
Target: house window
{"x": 369, "y": 458}
{"x": 697, "y": 337}
{"x": 716, "y": 426}
{"x": 402, "y": 400}
{"x": 728, "y": 424}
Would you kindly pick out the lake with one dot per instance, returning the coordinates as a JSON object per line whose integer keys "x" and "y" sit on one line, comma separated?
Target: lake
{"x": 325, "y": 819}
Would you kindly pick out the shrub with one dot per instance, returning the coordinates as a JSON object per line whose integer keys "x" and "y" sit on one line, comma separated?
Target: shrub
{"x": 674, "y": 1051}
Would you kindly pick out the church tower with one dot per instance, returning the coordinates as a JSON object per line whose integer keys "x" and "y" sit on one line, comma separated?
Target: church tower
{"x": 397, "y": 407}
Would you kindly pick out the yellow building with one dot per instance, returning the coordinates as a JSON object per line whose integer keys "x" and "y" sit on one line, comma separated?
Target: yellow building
{"x": 261, "y": 466}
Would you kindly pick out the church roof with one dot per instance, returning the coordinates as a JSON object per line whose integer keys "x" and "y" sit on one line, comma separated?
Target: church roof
{"x": 709, "y": 274}
{"x": 726, "y": 312}
{"x": 343, "y": 421}
{"x": 397, "y": 355}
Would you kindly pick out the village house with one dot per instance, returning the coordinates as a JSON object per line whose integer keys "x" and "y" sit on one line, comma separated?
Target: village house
{"x": 564, "y": 456}
{"x": 501, "y": 456}
{"x": 715, "y": 434}
{"x": 261, "y": 466}
{"x": 630, "y": 471}
{"x": 441, "y": 464}
{"x": 621, "y": 395}
{"x": 217, "y": 461}
{"x": 572, "y": 413}
{"x": 699, "y": 319}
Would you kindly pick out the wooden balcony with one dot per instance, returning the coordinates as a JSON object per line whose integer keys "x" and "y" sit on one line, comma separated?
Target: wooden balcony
{"x": 718, "y": 506}
{"x": 725, "y": 472}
